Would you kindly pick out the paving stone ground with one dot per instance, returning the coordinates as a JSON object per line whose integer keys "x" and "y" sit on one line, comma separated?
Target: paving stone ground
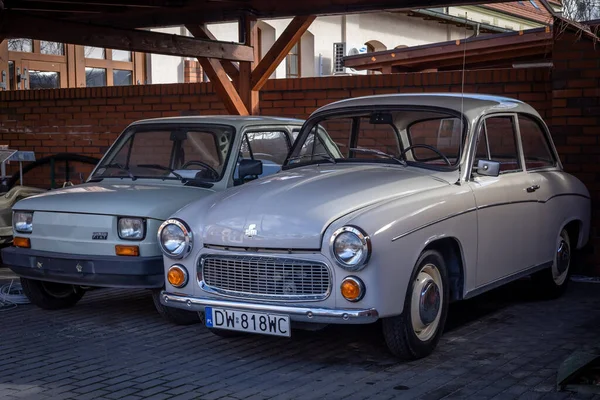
{"x": 113, "y": 345}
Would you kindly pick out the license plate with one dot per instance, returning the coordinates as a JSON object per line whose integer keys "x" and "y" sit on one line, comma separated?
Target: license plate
{"x": 244, "y": 321}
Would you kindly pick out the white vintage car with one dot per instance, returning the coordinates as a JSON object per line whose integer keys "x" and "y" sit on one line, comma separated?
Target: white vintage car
{"x": 103, "y": 233}
{"x": 388, "y": 208}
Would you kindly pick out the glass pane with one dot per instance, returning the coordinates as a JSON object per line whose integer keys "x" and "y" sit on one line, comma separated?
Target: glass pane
{"x": 54, "y": 48}
{"x": 44, "y": 80}
{"x": 147, "y": 153}
{"x": 266, "y": 146}
{"x": 122, "y": 77}
{"x": 535, "y": 146}
{"x": 95, "y": 77}
{"x": 121, "y": 55}
{"x": 503, "y": 147}
{"x": 444, "y": 134}
{"x": 24, "y": 45}
{"x": 94, "y": 52}
{"x": 12, "y": 82}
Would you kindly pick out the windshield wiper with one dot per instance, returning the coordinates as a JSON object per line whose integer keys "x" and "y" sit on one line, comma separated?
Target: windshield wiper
{"x": 122, "y": 168}
{"x": 325, "y": 155}
{"x": 380, "y": 153}
{"x": 163, "y": 168}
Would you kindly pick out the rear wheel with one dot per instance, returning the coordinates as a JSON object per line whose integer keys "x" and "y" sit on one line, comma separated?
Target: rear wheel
{"x": 415, "y": 333}
{"x": 174, "y": 315}
{"x": 50, "y": 295}
{"x": 552, "y": 282}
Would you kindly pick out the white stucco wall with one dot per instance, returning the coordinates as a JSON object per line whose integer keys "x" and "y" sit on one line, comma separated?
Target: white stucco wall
{"x": 165, "y": 69}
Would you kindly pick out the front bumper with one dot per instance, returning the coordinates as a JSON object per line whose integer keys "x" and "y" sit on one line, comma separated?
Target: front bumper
{"x": 86, "y": 270}
{"x": 296, "y": 313}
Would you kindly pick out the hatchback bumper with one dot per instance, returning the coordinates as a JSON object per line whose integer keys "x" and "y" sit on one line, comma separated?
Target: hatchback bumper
{"x": 296, "y": 313}
{"x": 86, "y": 270}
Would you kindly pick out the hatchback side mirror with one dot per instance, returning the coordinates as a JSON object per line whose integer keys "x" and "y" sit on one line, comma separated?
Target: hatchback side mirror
{"x": 488, "y": 168}
{"x": 249, "y": 168}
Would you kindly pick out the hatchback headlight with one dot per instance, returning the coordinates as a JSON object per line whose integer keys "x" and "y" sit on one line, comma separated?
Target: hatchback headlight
{"x": 23, "y": 221}
{"x": 351, "y": 248}
{"x": 132, "y": 228}
{"x": 175, "y": 238}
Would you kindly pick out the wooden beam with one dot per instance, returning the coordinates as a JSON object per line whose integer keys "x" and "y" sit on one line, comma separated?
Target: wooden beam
{"x": 223, "y": 86}
{"x": 248, "y": 33}
{"x": 202, "y": 32}
{"x": 14, "y": 24}
{"x": 277, "y": 53}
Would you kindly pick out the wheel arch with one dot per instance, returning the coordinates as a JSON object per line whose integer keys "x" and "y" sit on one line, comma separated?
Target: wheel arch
{"x": 574, "y": 228}
{"x": 451, "y": 250}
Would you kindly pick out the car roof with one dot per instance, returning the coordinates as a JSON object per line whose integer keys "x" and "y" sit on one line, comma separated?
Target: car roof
{"x": 233, "y": 120}
{"x": 472, "y": 104}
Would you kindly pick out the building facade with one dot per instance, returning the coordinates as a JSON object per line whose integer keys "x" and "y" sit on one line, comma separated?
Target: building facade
{"x": 34, "y": 64}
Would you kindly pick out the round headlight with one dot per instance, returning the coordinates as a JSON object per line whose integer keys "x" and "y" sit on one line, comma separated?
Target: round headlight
{"x": 175, "y": 238}
{"x": 351, "y": 247}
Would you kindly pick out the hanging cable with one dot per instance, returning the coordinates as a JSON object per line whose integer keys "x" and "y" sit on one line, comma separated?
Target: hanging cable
{"x": 11, "y": 294}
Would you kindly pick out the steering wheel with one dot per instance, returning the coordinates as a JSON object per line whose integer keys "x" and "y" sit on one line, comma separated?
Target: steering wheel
{"x": 203, "y": 165}
{"x": 428, "y": 147}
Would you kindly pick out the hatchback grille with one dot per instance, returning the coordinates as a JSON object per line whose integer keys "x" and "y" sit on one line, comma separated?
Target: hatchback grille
{"x": 265, "y": 277}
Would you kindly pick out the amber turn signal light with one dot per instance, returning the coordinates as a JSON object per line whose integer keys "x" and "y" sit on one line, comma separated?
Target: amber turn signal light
{"x": 130, "y": 251}
{"x": 177, "y": 276}
{"x": 22, "y": 242}
{"x": 353, "y": 289}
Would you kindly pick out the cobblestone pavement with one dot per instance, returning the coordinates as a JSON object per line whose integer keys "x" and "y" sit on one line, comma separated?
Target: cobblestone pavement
{"x": 113, "y": 345}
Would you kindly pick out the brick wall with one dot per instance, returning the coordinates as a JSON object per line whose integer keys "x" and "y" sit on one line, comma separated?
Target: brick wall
{"x": 576, "y": 117}
{"x": 192, "y": 72}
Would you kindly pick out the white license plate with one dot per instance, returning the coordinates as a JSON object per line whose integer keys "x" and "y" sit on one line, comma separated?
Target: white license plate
{"x": 244, "y": 321}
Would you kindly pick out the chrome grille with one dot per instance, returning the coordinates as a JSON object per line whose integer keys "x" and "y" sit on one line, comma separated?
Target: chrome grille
{"x": 265, "y": 277}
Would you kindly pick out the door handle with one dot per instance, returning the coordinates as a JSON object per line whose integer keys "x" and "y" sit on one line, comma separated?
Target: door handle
{"x": 532, "y": 188}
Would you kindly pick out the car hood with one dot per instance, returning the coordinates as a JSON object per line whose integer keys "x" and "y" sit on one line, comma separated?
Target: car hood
{"x": 291, "y": 210}
{"x": 128, "y": 199}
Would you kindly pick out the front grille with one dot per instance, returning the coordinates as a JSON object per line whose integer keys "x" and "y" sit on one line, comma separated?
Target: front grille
{"x": 265, "y": 277}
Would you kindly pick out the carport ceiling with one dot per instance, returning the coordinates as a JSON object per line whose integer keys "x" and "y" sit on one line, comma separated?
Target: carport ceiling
{"x": 154, "y": 13}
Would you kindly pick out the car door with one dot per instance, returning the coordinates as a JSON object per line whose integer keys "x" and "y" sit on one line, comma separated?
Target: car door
{"x": 506, "y": 211}
{"x": 541, "y": 164}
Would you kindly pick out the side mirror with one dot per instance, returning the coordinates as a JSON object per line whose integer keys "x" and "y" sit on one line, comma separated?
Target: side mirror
{"x": 488, "y": 168}
{"x": 249, "y": 168}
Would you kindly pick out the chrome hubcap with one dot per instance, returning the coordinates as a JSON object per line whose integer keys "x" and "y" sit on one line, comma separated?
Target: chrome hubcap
{"x": 426, "y": 302}
{"x": 429, "y": 304}
{"x": 563, "y": 256}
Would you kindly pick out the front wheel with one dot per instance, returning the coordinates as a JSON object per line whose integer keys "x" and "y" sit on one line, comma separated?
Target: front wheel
{"x": 173, "y": 315}
{"x": 50, "y": 295}
{"x": 552, "y": 282}
{"x": 416, "y": 332}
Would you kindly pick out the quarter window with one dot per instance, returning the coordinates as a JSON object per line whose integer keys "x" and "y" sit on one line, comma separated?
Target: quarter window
{"x": 536, "y": 149}
{"x": 497, "y": 142}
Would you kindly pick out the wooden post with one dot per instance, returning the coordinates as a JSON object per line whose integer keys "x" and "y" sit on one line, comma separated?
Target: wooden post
{"x": 248, "y": 35}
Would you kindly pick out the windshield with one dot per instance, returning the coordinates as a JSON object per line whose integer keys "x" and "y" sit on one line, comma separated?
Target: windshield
{"x": 423, "y": 138}
{"x": 182, "y": 152}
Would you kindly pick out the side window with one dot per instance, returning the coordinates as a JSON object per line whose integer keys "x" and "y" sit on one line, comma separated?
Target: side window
{"x": 501, "y": 143}
{"x": 266, "y": 146}
{"x": 536, "y": 149}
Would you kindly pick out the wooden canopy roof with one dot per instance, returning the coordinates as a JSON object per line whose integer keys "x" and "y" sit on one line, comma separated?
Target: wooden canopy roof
{"x": 152, "y": 13}
{"x": 496, "y": 50}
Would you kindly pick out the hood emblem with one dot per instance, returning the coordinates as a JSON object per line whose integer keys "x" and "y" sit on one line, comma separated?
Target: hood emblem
{"x": 78, "y": 267}
{"x": 251, "y": 231}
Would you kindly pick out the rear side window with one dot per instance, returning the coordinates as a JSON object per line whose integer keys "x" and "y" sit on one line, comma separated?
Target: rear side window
{"x": 536, "y": 148}
{"x": 497, "y": 142}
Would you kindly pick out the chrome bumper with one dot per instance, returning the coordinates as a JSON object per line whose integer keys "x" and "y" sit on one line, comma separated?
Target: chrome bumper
{"x": 302, "y": 314}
